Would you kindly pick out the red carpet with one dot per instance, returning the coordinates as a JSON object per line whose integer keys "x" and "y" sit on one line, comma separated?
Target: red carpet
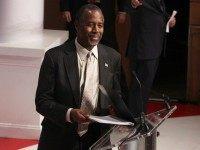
{"x": 14, "y": 144}
{"x": 182, "y": 110}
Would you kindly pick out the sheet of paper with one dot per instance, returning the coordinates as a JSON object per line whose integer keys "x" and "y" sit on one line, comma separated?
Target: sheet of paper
{"x": 172, "y": 16}
{"x": 110, "y": 120}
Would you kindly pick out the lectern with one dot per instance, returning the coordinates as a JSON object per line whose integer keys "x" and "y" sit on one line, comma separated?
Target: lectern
{"x": 133, "y": 137}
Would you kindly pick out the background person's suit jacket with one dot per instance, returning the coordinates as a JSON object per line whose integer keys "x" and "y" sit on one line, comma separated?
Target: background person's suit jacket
{"x": 148, "y": 24}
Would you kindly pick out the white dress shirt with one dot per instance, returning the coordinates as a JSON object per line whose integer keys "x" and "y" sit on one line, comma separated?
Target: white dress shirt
{"x": 82, "y": 57}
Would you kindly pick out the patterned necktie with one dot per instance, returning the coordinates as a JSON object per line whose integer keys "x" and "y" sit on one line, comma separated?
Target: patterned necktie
{"x": 87, "y": 93}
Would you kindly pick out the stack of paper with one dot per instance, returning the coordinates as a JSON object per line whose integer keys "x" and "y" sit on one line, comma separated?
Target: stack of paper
{"x": 110, "y": 120}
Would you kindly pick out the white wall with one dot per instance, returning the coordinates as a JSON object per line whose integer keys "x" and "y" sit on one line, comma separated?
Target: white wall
{"x": 23, "y": 43}
{"x": 19, "y": 68}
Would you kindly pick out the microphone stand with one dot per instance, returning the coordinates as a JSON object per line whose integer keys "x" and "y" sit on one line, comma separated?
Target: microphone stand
{"x": 164, "y": 97}
{"x": 166, "y": 101}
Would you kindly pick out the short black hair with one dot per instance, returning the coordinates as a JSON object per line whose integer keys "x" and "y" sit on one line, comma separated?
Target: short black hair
{"x": 81, "y": 12}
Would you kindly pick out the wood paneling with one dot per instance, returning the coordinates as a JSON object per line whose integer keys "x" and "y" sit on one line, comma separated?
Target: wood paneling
{"x": 122, "y": 34}
{"x": 193, "y": 75}
{"x": 193, "y": 71}
{"x": 195, "y": 12}
{"x": 52, "y": 17}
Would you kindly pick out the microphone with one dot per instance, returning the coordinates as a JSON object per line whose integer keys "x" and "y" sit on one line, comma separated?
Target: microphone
{"x": 140, "y": 86}
{"x": 143, "y": 128}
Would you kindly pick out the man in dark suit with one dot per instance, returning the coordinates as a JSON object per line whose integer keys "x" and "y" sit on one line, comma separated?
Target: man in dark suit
{"x": 62, "y": 85}
{"x": 108, "y": 7}
{"x": 148, "y": 24}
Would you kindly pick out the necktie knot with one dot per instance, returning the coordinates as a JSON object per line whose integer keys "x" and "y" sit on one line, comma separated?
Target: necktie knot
{"x": 89, "y": 54}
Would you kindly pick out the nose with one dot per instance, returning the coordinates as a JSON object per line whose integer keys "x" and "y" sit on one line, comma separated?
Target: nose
{"x": 95, "y": 28}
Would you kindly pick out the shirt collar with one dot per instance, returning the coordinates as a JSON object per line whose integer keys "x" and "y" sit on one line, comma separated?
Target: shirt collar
{"x": 82, "y": 52}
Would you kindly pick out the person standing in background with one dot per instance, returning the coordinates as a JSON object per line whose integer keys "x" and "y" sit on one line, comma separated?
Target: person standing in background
{"x": 109, "y": 8}
{"x": 145, "y": 45}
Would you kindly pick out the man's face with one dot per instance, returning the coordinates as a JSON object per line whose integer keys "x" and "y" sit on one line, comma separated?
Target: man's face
{"x": 90, "y": 29}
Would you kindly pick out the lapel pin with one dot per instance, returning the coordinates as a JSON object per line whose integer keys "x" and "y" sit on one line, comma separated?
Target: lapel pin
{"x": 106, "y": 65}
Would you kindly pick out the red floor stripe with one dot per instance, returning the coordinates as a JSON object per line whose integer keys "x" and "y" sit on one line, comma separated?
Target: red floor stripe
{"x": 182, "y": 109}
{"x": 14, "y": 144}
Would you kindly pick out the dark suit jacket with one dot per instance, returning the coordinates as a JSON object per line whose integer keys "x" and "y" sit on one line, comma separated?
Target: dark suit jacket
{"x": 148, "y": 24}
{"x": 58, "y": 89}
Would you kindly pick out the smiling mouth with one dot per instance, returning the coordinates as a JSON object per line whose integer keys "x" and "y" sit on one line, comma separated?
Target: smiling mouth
{"x": 94, "y": 37}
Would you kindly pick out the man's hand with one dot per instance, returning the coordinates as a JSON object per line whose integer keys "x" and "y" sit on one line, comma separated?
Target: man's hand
{"x": 77, "y": 115}
{"x": 121, "y": 17}
{"x": 136, "y": 3}
{"x": 172, "y": 22}
{"x": 112, "y": 111}
{"x": 66, "y": 15}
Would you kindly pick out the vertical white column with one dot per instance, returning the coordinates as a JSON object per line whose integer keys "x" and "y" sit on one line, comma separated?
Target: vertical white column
{"x": 20, "y": 19}
{"x": 23, "y": 42}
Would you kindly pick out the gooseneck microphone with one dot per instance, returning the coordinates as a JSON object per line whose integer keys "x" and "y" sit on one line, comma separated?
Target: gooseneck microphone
{"x": 143, "y": 128}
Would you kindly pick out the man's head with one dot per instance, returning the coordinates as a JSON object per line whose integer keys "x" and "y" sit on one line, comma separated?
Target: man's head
{"x": 89, "y": 24}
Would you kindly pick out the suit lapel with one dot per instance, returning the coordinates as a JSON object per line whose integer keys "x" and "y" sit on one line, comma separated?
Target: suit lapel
{"x": 71, "y": 66}
{"x": 160, "y": 6}
{"x": 153, "y": 6}
{"x": 103, "y": 66}
{"x": 103, "y": 102}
